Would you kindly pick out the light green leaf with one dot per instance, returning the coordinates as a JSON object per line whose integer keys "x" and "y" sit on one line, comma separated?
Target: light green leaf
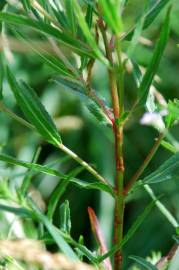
{"x": 87, "y": 33}
{"x": 32, "y": 166}
{"x": 143, "y": 262}
{"x": 169, "y": 170}
{"x": 111, "y": 13}
{"x": 173, "y": 112}
{"x": 64, "y": 39}
{"x": 71, "y": 16}
{"x": 169, "y": 146}
{"x": 34, "y": 110}
{"x": 156, "y": 58}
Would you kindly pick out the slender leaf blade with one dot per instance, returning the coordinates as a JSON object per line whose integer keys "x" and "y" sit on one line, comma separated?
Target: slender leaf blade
{"x": 153, "y": 66}
{"x": 143, "y": 262}
{"x": 34, "y": 109}
{"x": 64, "y": 39}
{"x": 55, "y": 233}
{"x": 169, "y": 170}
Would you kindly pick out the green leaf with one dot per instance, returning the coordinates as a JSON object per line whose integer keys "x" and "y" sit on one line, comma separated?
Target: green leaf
{"x": 130, "y": 232}
{"x": 156, "y": 58}
{"x": 54, "y": 232}
{"x": 26, "y": 5}
{"x": 71, "y": 16}
{"x": 55, "y": 197}
{"x": 173, "y": 112}
{"x": 111, "y": 13}
{"x": 61, "y": 187}
{"x": 169, "y": 146}
{"x": 64, "y": 39}
{"x": 94, "y": 185}
{"x": 87, "y": 33}
{"x": 65, "y": 218}
{"x": 143, "y": 262}
{"x": 28, "y": 177}
{"x": 150, "y": 16}
{"x": 31, "y": 166}
{"x": 2, "y": 4}
{"x": 59, "y": 191}
{"x": 19, "y": 211}
{"x": 34, "y": 110}
{"x": 154, "y": 12}
{"x": 169, "y": 170}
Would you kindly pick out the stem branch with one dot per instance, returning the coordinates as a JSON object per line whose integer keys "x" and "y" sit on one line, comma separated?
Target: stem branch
{"x": 147, "y": 160}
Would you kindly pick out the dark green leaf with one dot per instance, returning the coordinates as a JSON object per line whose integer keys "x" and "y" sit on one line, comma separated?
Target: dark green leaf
{"x": 153, "y": 66}
{"x": 151, "y": 15}
{"x": 28, "y": 177}
{"x": 55, "y": 233}
{"x": 65, "y": 218}
{"x": 21, "y": 212}
{"x": 130, "y": 232}
{"x": 169, "y": 170}
{"x": 94, "y": 185}
{"x": 34, "y": 110}
{"x": 143, "y": 262}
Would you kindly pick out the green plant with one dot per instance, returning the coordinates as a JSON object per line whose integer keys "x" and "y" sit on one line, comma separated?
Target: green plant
{"x": 83, "y": 35}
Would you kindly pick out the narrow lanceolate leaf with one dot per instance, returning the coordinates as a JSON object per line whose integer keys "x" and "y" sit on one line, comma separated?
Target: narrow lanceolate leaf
{"x": 32, "y": 166}
{"x": 54, "y": 232}
{"x": 71, "y": 16}
{"x": 64, "y": 39}
{"x": 34, "y": 110}
{"x": 111, "y": 13}
{"x": 63, "y": 184}
{"x": 87, "y": 33}
{"x": 169, "y": 170}
{"x": 65, "y": 217}
{"x": 143, "y": 262}
{"x": 153, "y": 66}
{"x": 18, "y": 211}
{"x": 151, "y": 15}
{"x": 95, "y": 185}
{"x": 130, "y": 232}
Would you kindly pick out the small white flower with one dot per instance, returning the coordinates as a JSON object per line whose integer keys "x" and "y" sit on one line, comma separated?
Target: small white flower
{"x": 153, "y": 119}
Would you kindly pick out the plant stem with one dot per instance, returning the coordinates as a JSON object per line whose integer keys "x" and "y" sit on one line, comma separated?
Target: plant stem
{"x": 118, "y": 131}
{"x": 145, "y": 163}
{"x": 118, "y": 107}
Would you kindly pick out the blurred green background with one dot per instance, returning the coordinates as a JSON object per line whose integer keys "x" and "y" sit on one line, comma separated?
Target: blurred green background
{"x": 94, "y": 143}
